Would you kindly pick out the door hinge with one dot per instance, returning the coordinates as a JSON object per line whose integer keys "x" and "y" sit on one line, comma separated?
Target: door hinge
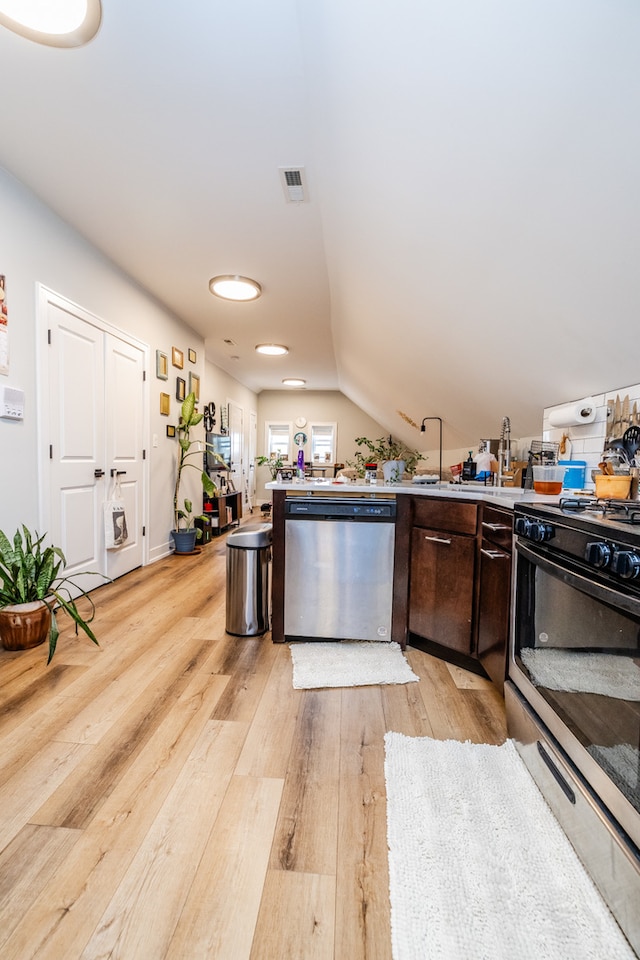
{"x": 144, "y": 531}
{"x": 50, "y": 451}
{"x": 144, "y": 375}
{"x": 49, "y": 337}
{"x": 144, "y": 454}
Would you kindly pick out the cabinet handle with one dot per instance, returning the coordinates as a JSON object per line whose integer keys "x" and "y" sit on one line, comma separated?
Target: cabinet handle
{"x": 438, "y": 539}
{"x": 496, "y": 526}
{"x": 494, "y": 554}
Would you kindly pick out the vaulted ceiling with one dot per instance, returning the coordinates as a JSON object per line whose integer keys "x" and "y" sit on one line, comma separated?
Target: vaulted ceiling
{"x": 468, "y": 242}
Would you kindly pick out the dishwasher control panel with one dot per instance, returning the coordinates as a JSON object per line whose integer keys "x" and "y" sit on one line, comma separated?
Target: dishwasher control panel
{"x": 363, "y": 509}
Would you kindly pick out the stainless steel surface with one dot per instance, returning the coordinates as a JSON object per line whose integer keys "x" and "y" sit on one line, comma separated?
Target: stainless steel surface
{"x": 248, "y": 598}
{"x": 610, "y": 858}
{"x": 339, "y": 572}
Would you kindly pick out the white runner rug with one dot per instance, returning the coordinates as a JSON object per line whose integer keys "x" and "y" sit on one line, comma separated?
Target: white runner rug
{"x": 479, "y": 867}
{"x": 347, "y": 663}
{"x": 576, "y": 671}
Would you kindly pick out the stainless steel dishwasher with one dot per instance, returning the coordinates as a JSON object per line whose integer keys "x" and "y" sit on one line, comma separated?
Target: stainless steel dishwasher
{"x": 338, "y": 577}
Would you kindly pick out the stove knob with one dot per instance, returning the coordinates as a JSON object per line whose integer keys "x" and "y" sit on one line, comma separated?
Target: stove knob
{"x": 598, "y": 554}
{"x": 539, "y": 531}
{"x": 521, "y": 526}
{"x": 626, "y": 564}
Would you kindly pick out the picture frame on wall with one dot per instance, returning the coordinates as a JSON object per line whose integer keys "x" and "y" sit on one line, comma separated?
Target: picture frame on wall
{"x": 177, "y": 358}
{"x": 180, "y": 389}
{"x": 171, "y": 430}
{"x": 162, "y": 365}
{"x": 192, "y": 356}
{"x": 165, "y": 404}
{"x": 194, "y": 385}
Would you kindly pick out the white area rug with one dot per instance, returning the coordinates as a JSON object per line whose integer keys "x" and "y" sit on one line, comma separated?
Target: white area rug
{"x": 479, "y": 867}
{"x": 348, "y": 663}
{"x": 577, "y": 672}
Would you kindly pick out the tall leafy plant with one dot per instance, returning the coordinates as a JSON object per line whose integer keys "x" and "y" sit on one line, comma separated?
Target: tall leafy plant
{"x": 30, "y": 571}
{"x": 189, "y": 419}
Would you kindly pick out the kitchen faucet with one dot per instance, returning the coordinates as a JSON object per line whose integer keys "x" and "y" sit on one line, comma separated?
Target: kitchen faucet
{"x": 504, "y": 450}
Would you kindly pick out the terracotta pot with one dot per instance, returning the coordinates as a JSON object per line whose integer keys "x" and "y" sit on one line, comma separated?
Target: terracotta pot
{"x": 24, "y": 625}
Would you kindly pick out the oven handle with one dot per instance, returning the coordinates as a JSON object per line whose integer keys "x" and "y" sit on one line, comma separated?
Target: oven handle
{"x": 593, "y": 588}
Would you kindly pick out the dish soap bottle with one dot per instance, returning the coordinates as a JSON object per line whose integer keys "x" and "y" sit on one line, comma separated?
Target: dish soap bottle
{"x": 469, "y": 468}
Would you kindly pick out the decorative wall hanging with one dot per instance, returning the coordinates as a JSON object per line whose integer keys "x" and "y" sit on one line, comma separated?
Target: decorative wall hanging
{"x": 180, "y": 389}
{"x": 192, "y": 356}
{"x": 194, "y": 385}
{"x": 209, "y": 417}
{"x": 177, "y": 358}
{"x": 223, "y": 419}
{"x": 165, "y": 404}
{"x": 4, "y": 323}
{"x": 171, "y": 430}
{"x": 162, "y": 365}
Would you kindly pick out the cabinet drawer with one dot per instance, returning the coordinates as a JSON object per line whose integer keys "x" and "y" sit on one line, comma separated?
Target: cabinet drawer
{"x": 497, "y": 527}
{"x": 452, "y": 515}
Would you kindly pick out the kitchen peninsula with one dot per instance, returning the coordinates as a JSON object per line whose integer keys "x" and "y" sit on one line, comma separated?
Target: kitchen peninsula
{"x": 448, "y": 571}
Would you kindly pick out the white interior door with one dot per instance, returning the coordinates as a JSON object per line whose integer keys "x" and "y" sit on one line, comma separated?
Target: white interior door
{"x": 124, "y": 446}
{"x": 92, "y": 423}
{"x": 252, "y": 449}
{"x": 236, "y": 434}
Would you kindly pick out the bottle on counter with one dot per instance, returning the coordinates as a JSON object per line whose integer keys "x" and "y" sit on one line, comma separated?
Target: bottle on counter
{"x": 371, "y": 473}
{"x": 469, "y": 468}
{"x": 300, "y": 464}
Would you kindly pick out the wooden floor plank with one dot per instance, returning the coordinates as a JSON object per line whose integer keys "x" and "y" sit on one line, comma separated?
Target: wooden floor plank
{"x": 220, "y": 915}
{"x": 297, "y": 918}
{"x": 306, "y": 833}
{"x": 363, "y": 929}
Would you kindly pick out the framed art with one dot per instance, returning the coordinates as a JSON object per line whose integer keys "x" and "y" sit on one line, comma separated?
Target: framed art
{"x": 177, "y": 358}
{"x": 180, "y": 388}
{"x": 171, "y": 430}
{"x": 194, "y": 385}
{"x": 165, "y": 404}
{"x": 162, "y": 365}
{"x": 192, "y": 356}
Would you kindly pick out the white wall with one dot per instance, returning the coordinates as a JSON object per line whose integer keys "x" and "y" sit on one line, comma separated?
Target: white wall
{"x": 37, "y": 247}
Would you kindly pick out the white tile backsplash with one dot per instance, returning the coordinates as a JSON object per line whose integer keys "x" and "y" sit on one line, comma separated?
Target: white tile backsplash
{"x": 588, "y": 439}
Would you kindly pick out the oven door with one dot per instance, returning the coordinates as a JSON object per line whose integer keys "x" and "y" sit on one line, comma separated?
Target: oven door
{"x": 575, "y": 657}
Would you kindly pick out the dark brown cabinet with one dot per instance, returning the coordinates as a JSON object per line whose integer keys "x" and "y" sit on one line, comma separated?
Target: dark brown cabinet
{"x": 442, "y": 573}
{"x": 495, "y": 592}
{"x": 224, "y": 511}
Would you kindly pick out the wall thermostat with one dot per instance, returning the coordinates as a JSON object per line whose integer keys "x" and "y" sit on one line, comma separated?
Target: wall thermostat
{"x": 11, "y": 403}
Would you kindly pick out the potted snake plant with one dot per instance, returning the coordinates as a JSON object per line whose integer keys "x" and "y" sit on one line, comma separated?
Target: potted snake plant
{"x": 32, "y": 589}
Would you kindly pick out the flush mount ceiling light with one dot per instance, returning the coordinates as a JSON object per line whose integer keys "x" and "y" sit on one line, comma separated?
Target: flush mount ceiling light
{"x": 272, "y": 349}
{"x": 66, "y": 23}
{"x": 293, "y": 382}
{"x": 230, "y": 287}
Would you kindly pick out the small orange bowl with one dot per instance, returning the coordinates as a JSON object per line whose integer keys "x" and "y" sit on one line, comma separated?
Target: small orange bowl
{"x": 612, "y": 488}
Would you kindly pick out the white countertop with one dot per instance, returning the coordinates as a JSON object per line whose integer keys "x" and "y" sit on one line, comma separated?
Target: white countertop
{"x": 500, "y": 496}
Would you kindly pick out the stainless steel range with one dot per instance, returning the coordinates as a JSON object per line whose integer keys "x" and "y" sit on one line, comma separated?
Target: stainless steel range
{"x": 573, "y": 693}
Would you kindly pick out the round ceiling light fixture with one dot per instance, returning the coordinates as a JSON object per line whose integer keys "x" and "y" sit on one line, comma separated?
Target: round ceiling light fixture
{"x": 67, "y": 23}
{"x": 233, "y": 287}
{"x": 293, "y": 382}
{"x": 272, "y": 349}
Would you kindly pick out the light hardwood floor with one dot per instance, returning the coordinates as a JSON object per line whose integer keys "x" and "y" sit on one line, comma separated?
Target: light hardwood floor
{"x": 170, "y": 795}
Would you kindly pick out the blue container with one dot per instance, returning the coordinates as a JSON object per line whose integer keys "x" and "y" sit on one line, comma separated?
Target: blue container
{"x": 575, "y": 474}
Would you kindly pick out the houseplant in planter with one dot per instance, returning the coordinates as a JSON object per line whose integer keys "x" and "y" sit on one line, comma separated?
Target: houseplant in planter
{"x": 32, "y": 587}
{"x": 184, "y": 533}
{"x": 392, "y": 455}
{"x": 274, "y": 464}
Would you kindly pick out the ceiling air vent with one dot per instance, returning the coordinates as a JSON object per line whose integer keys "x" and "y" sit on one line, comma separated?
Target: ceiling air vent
{"x": 293, "y": 184}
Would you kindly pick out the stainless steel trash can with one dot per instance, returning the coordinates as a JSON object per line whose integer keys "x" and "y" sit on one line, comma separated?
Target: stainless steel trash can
{"x": 248, "y": 595}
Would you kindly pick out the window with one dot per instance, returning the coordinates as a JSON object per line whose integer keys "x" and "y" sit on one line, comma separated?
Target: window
{"x": 323, "y": 442}
{"x": 278, "y": 442}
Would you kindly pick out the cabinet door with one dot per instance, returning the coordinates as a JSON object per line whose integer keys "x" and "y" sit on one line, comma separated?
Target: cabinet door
{"x": 441, "y": 588}
{"x": 493, "y": 613}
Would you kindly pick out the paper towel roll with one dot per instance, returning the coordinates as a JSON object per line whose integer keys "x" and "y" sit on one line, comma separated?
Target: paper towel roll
{"x": 572, "y": 414}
